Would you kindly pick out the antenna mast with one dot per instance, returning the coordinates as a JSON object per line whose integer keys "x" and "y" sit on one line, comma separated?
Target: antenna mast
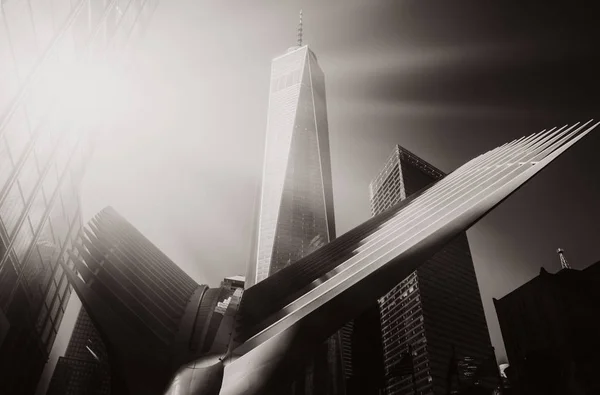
{"x": 563, "y": 261}
{"x": 300, "y": 30}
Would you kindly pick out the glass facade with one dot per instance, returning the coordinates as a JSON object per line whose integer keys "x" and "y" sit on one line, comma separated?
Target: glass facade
{"x": 43, "y": 152}
{"x": 436, "y": 307}
{"x": 297, "y": 199}
{"x": 84, "y": 368}
{"x": 296, "y": 208}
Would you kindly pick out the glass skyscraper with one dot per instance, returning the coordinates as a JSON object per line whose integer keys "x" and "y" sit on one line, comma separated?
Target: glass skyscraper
{"x": 43, "y": 151}
{"x": 296, "y": 207}
{"x": 438, "y": 307}
{"x": 85, "y": 367}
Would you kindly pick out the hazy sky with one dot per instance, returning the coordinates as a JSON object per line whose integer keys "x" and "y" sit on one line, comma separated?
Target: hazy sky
{"x": 447, "y": 80}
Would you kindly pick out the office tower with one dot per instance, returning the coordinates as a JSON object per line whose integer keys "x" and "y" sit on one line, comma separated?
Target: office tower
{"x": 436, "y": 307}
{"x": 84, "y": 369}
{"x": 296, "y": 208}
{"x": 43, "y": 150}
{"x": 550, "y": 330}
{"x": 297, "y": 198}
{"x": 42, "y": 161}
{"x": 287, "y": 315}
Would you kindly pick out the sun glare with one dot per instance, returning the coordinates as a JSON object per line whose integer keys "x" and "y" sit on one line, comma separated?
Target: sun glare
{"x": 91, "y": 95}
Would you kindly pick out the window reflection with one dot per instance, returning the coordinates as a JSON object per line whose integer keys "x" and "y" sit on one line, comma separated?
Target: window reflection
{"x": 33, "y": 272}
{"x": 22, "y": 241}
{"x": 32, "y": 150}
{"x": 11, "y": 209}
{"x": 28, "y": 177}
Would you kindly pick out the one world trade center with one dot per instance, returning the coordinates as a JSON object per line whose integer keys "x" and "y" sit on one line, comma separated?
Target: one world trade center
{"x": 296, "y": 206}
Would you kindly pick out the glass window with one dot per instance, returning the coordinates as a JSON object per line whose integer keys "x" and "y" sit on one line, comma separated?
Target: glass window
{"x": 32, "y": 268}
{"x": 63, "y": 286}
{"x": 6, "y": 167}
{"x": 22, "y": 35}
{"x": 55, "y": 308}
{"x": 17, "y": 134}
{"x": 12, "y": 208}
{"x": 68, "y": 293}
{"x": 23, "y": 241}
{"x": 8, "y": 278}
{"x": 35, "y": 273}
{"x": 51, "y": 340}
{"x": 28, "y": 177}
{"x": 41, "y": 317}
{"x": 59, "y": 318}
{"x": 51, "y": 293}
{"x": 58, "y": 275}
{"x": 68, "y": 248}
{"x": 47, "y": 252}
{"x": 47, "y": 329}
{"x": 59, "y": 223}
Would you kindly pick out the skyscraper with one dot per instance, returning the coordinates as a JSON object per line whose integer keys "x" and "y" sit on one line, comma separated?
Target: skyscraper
{"x": 550, "y": 330}
{"x": 296, "y": 199}
{"x": 438, "y": 306}
{"x": 44, "y": 147}
{"x": 85, "y": 367}
{"x": 42, "y": 161}
{"x": 296, "y": 207}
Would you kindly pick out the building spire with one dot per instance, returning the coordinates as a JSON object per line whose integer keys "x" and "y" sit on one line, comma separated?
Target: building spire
{"x": 300, "y": 30}
{"x": 563, "y": 261}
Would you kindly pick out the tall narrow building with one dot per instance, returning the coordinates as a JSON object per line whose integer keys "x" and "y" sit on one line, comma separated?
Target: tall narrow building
{"x": 42, "y": 161}
{"x": 44, "y": 148}
{"x": 436, "y": 308}
{"x": 85, "y": 368}
{"x": 296, "y": 207}
{"x": 296, "y": 198}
